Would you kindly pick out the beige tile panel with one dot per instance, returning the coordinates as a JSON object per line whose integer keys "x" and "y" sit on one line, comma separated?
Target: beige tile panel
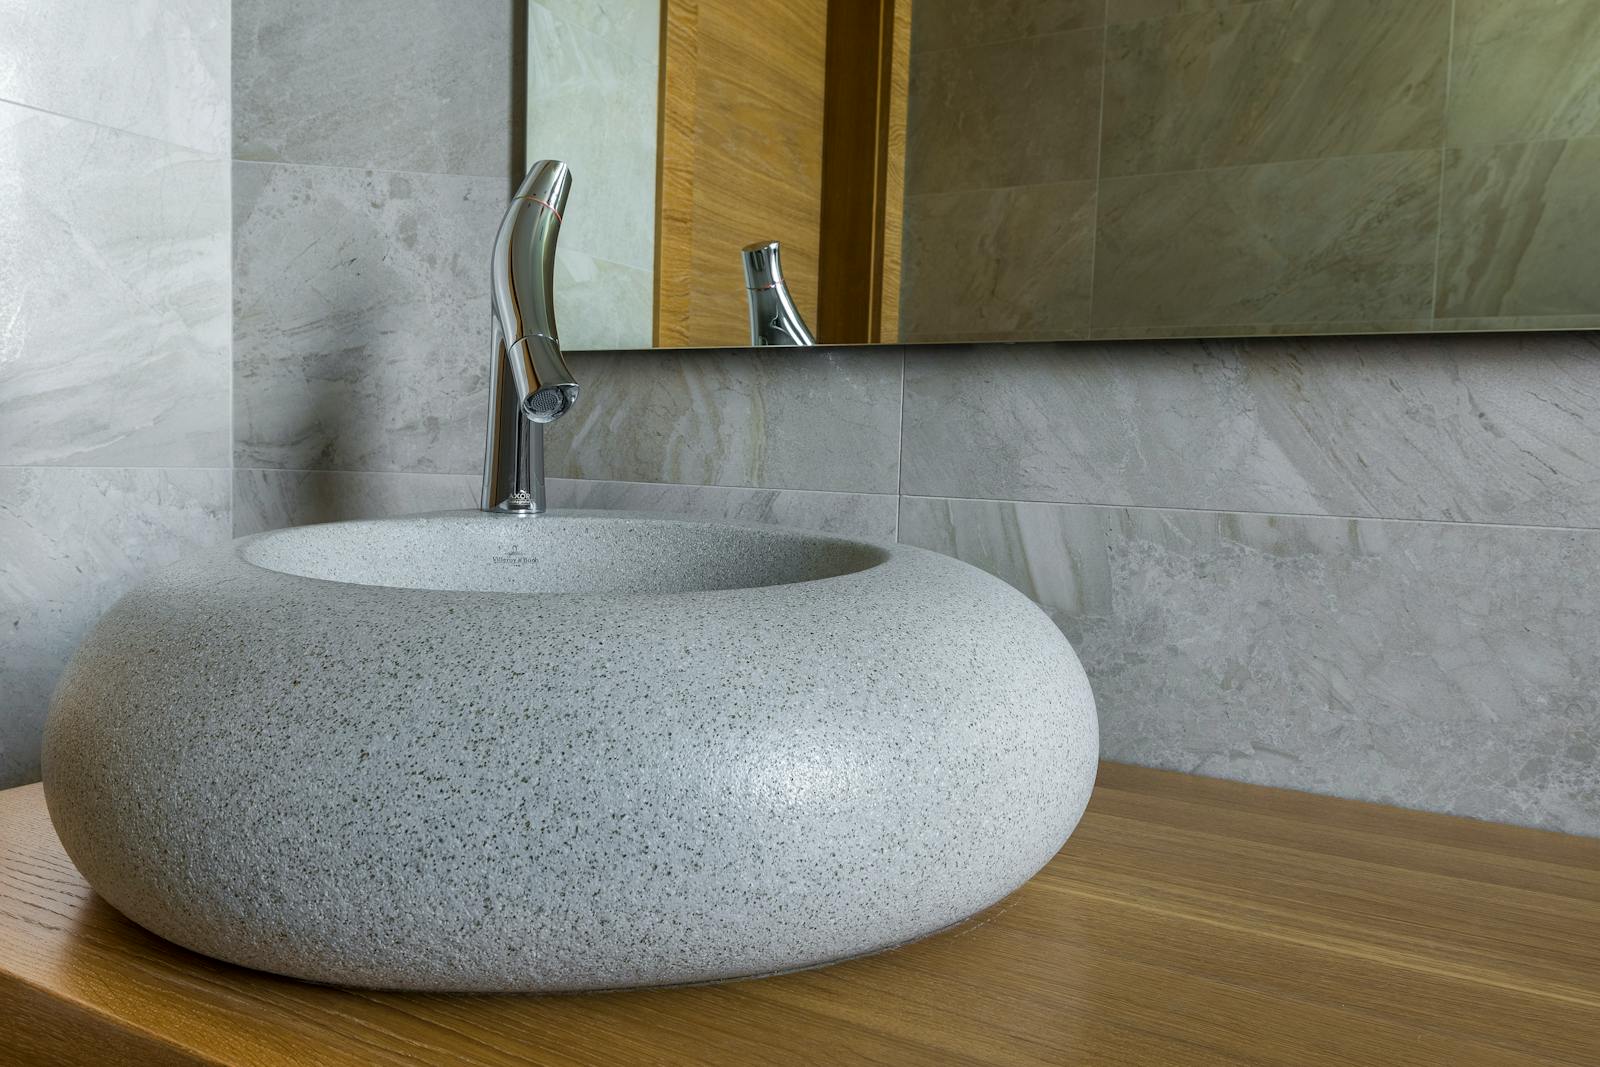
{"x": 1516, "y": 323}
{"x": 959, "y": 23}
{"x": 1118, "y": 11}
{"x": 1521, "y": 230}
{"x": 999, "y": 263}
{"x": 1334, "y": 240}
{"x": 1272, "y": 81}
{"x": 1261, "y": 329}
{"x": 1525, "y": 70}
{"x": 1016, "y": 113}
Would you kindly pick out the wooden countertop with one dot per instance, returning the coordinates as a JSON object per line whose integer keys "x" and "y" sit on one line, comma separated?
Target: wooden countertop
{"x": 1188, "y": 921}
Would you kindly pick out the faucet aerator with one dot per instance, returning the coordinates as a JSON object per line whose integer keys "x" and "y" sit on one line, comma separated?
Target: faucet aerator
{"x": 549, "y": 404}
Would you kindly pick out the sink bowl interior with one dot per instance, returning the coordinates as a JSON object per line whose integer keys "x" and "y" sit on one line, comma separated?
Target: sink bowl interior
{"x": 571, "y": 554}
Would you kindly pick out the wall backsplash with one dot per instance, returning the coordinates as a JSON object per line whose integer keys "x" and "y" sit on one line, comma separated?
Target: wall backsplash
{"x": 1358, "y": 566}
{"x": 114, "y": 321}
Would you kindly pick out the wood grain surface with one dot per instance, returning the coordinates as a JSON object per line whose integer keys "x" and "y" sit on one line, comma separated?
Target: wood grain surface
{"x": 1187, "y": 921}
{"x": 740, "y": 160}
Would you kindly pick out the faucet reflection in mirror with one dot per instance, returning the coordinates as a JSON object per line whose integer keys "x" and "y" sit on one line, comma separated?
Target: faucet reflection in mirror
{"x": 774, "y": 319}
{"x": 529, "y": 382}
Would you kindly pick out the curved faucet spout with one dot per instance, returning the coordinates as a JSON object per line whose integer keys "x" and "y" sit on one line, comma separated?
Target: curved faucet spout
{"x": 523, "y": 288}
{"x": 529, "y": 381}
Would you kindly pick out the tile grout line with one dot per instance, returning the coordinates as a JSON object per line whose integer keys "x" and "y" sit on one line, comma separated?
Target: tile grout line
{"x": 1444, "y": 159}
{"x": 553, "y": 477}
{"x": 364, "y": 169}
{"x": 209, "y": 153}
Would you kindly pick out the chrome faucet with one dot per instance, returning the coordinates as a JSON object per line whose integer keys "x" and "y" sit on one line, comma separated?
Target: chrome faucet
{"x": 529, "y": 383}
{"x": 774, "y": 320}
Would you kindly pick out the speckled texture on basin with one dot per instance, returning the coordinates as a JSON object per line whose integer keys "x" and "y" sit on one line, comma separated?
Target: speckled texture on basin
{"x": 474, "y": 752}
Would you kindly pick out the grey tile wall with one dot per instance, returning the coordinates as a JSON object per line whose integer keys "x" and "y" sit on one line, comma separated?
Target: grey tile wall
{"x": 373, "y": 161}
{"x": 269, "y": 500}
{"x": 114, "y": 321}
{"x": 405, "y": 85}
{"x": 1358, "y": 566}
{"x": 774, "y": 419}
{"x": 1432, "y": 665}
{"x": 74, "y": 539}
{"x": 361, "y": 312}
{"x": 159, "y": 70}
{"x": 1499, "y": 429}
{"x": 114, "y": 289}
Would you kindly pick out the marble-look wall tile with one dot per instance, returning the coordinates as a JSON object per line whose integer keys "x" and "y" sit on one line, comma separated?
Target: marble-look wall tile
{"x": 866, "y": 515}
{"x": 1525, "y": 70}
{"x": 1268, "y": 82}
{"x": 1520, "y": 230}
{"x": 1330, "y": 240}
{"x": 361, "y": 318}
{"x": 1445, "y": 667}
{"x": 153, "y": 67}
{"x": 961, "y": 23}
{"x": 1498, "y": 429}
{"x": 635, "y": 25}
{"x": 409, "y": 85}
{"x": 602, "y": 305}
{"x": 114, "y": 314}
{"x": 75, "y": 539}
{"x": 1014, "y": 113}
{"x": 998, "y": 263}
{"x": 824, "y": 419}
{"x": 273, "y": 499}
{"x": 592, "y": 104}
{"x": 1135, "y": 10}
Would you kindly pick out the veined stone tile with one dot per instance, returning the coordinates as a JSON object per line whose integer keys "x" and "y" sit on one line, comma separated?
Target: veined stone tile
{"x": 1135, "y": 10}
{"x": 1502, "y": 429}
{"x": 1446, "y": 667}
{"x": 998, "y": 263}
{"x": 1337, "y": 240}
{"x": 635, "y": 25}
{"x": 1525, "y": 70}
{"x": 1521, "y": 230}
{"x": 1263, "y": 329}
{"x": 408, "y": 85}
{"x": 152, "y": 67}
{"x": 847, "y": 514}
{"x": 273, "y": 499}
{"x": 592, "y": 104}
{"x": 823, "y": 419}
{"x": 361, "y": 318}
{"x": 962, "y": 23}
{"x": 1014, "y": 113}
{"x": 602, "y": 305}
{"x": 75, "y": 540}
{"x": 1269, "y": 82}
{"x": 114, "y": 315}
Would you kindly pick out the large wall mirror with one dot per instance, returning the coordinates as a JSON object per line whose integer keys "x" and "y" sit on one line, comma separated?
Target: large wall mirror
{"x": 996, "y": 170}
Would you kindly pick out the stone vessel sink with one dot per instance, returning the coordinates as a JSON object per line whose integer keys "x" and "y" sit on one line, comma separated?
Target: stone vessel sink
{"x": 476, "y": 752}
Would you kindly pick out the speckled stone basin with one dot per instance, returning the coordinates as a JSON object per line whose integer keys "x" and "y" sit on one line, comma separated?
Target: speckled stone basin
{"x": 475, "y": 752}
